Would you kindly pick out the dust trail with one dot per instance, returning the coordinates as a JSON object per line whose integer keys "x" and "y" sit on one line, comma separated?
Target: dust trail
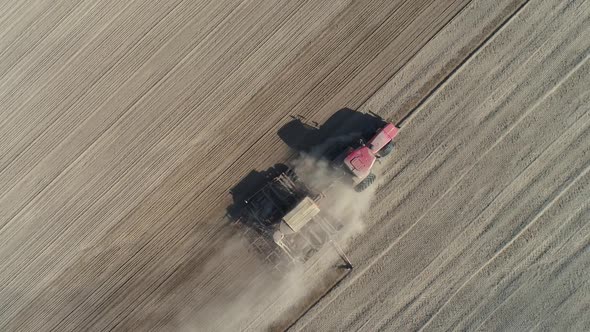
{"x": 262, "y": 297}
{"x": 236, "y": 305}
{"x": 341, "y": 201}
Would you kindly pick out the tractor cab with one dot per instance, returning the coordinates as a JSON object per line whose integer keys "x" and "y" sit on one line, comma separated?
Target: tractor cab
{"x": 360, "y": 161}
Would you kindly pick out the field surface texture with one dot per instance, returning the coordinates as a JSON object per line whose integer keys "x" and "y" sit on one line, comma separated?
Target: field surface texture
{"x": 125, "y": 127}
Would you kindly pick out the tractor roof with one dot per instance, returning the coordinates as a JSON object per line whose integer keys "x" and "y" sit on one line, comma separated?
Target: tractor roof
{"x": 360, "y": 161}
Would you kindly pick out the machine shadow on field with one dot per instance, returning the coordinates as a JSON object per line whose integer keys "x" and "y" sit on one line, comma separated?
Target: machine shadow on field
{"x": 256, "y": 234}
{"x": 249, "y": 185}
{"x": 304, "y": 136}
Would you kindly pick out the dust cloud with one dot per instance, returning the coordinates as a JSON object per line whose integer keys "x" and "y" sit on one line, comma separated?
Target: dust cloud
{"x": 340, "y": 201}
{"x": 236, "y": 305}
{"x": 277, "y": 292}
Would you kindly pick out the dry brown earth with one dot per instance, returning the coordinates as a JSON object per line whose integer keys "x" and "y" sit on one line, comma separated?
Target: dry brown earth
{"x": 124, "y": 125}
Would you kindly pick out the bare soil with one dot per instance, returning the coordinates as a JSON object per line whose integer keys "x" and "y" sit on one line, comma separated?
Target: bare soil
{"x": 125, "y": 125}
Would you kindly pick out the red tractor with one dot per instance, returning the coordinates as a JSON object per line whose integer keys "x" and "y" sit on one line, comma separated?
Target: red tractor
{"x": 358, "y": 160}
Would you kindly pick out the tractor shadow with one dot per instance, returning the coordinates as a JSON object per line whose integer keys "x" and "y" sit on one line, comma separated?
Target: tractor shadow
{"x": 303, "y": 136}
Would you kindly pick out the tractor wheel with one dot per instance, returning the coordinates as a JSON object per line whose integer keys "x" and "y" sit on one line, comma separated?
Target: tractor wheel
{"x": 366, "y": 183}
{"x": 386, "y": 149}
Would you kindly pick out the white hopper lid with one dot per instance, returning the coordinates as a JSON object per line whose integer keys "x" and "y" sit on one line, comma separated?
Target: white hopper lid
{"x": 301, "y": 214}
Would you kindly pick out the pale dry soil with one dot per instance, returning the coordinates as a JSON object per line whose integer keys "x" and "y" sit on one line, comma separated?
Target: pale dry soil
{"x": 124, "y": 124}
{"x": 482, "y": 221}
